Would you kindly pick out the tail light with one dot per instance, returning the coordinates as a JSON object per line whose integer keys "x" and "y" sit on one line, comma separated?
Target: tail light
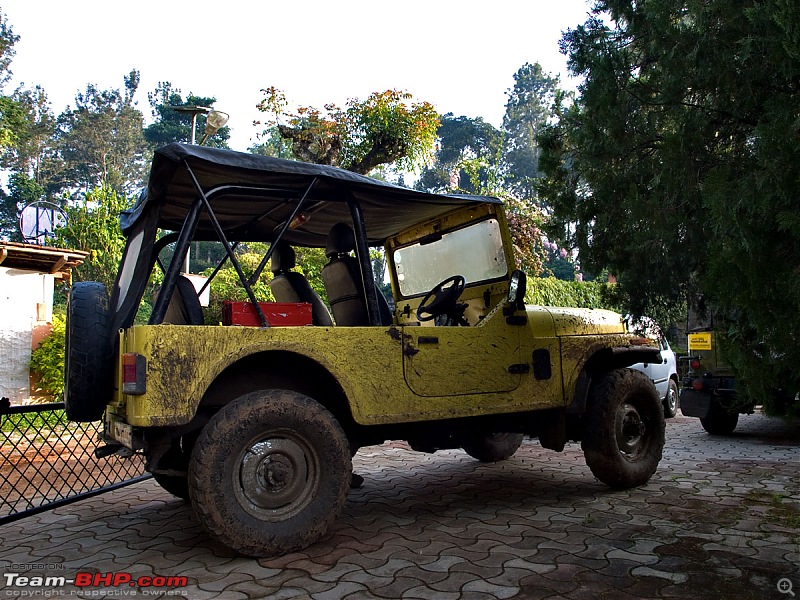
{"x": 698, "y": 385}
{"x": 134, "y": 374}
{"x": 695, "y": 364}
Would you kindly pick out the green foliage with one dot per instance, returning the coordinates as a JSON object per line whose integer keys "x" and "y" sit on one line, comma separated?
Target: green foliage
{"x": 467, "y": 156}
{"x": 93, "y": 226}
{"x": 386, "y": 128}
{"x": 528, "y": 109}
{"x": 7, "y": 52}
{"x": 34, "y": 154}
{"x": 44, "y": 421}
{"x": 272, "y": 144}
{"x": 100, "y": 141}
{"x": 226, "y": 285}
{"x": 549, "y": 291}
{"x": 47, "y": 361}
{"x": 678, "y": 169}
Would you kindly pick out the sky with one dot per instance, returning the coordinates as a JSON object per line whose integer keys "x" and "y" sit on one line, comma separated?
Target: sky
{"x": 459, "y": 56}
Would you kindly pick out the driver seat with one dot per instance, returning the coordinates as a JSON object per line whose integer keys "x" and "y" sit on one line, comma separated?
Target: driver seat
{"x": 291, "y": 286}
{"x": 342, "y": 279}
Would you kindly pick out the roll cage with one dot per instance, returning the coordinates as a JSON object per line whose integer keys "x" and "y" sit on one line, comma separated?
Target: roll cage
{"x": 197, "y": 193}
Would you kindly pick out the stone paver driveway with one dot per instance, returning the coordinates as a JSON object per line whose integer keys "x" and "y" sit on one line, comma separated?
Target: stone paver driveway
{"x": 720, "y": 519}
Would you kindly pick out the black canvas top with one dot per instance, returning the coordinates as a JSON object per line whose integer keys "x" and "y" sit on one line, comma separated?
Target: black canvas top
{"x": 251, "y": 195}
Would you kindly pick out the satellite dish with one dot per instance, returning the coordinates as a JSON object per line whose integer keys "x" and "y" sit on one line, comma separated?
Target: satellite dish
{"x": 38, "y": 221}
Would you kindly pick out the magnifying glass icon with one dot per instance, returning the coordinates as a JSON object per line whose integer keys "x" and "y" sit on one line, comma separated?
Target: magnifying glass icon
{"x": 785, "y": 587}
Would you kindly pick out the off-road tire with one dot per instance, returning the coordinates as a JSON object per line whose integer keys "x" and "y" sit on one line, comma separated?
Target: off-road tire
{"x": 174, "y": 484}
{"x": 672, "y": 401}
{"x": 493, "y": 447}
{"x": 88, "y": 363}
{"x": 623, "y": 438}
{"x": 270, "y": 472}
{"x": 718, "y": 421}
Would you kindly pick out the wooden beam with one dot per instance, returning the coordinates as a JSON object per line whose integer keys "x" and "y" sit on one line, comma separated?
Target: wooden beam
{"x": 59, "y": 264}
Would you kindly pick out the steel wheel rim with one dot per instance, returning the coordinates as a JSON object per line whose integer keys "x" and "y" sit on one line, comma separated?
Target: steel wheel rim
{"x": 277, "y": 475}
{"x": 672, "y": 399}
{"x": 631, "y": 431}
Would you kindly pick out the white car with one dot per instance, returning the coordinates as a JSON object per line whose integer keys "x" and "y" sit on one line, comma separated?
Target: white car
{"x": 664, "y": 374}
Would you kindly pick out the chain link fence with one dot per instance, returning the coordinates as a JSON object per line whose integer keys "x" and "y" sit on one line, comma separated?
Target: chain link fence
{"x": 48, "y": 461}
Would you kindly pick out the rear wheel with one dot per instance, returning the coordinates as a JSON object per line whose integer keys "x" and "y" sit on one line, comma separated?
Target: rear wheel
{"x": 88, "y": 364}
{"x": 493, "y": 447}
{"x": 719, "y": 421}
{"x": 671, "y": 400}
{"x": 624, "y": 429}
{"x": 270, "y": 472}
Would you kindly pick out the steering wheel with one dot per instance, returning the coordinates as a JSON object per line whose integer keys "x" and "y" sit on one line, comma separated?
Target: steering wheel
{"x": 441, "y": 299}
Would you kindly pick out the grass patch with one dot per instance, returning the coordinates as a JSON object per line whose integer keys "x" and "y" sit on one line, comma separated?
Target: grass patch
{"x": 45, "y": 420}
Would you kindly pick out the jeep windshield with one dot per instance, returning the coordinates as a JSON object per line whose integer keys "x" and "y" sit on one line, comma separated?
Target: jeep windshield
{"x": 476, "y": 252}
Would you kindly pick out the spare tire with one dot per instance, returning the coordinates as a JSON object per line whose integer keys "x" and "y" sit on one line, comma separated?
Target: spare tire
{"x": 88, "y": 362}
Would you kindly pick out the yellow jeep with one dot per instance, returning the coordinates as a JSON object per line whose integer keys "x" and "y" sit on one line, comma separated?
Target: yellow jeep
{"x": 255, "y": 421}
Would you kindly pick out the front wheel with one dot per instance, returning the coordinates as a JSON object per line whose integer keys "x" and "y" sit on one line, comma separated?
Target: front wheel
{"x": 671, "y": 400}
{"x": 623, "y": 437}
{"x": 176, "y": 485}
{"x": 270, "y": 473}
{"x": 493, "y": 447}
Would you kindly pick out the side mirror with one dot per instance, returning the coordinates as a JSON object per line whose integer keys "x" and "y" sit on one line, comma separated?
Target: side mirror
{"x": 517, "y": 287}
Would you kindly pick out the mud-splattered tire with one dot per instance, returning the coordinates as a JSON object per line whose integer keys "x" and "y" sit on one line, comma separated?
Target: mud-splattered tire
{"x": 624, "y": 429}
{"x": 174, "y": 484}
{"x": 493, "y": 447}
{"x": 671, "y": 400}
{"x": 719, "y": 421}
{"x": 88, "y": 364}
{"x": 270, "y": 472}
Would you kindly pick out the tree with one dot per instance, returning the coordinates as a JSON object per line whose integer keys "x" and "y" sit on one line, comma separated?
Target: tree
{"x": 383, "y": 129}
{"x": 272, "y": 144}
{"x": 528, "y": 109}
{"x": 7, "y": 52}
{"x": 678, "y": 169}
{"x": 174, "y": 126}
{"x": 100, "y": 141}
{"x": 459, "y": 139}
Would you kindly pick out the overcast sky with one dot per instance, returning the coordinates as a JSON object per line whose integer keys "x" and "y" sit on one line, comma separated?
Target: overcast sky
{"x": 460, "y": 56}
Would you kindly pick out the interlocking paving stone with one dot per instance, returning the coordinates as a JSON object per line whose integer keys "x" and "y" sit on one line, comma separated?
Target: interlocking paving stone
{"x": 718, "y": 519}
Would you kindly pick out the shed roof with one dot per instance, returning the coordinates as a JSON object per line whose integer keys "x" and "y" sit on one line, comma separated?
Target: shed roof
{"x": 43, "y": 259}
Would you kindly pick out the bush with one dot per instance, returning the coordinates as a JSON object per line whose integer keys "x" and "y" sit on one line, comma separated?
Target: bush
{"x": 549, "y": 291}
{"x": 47, "y": 361}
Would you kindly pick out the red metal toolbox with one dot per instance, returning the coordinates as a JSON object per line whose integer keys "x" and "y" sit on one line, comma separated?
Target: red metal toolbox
{"x": 278, "y": 314}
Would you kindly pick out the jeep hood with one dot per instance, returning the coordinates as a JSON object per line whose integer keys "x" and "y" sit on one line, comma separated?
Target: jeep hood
{"x": 585, "y": 321}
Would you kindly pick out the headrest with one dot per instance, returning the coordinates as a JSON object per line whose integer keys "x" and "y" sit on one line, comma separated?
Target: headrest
{"x": 283, "y": 258}
{"x": 341, "y": 240}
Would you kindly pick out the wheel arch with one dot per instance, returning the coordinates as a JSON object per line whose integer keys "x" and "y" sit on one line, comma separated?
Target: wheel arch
{"x": 278, "y": 369}
{"x": 600, "y": 361}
